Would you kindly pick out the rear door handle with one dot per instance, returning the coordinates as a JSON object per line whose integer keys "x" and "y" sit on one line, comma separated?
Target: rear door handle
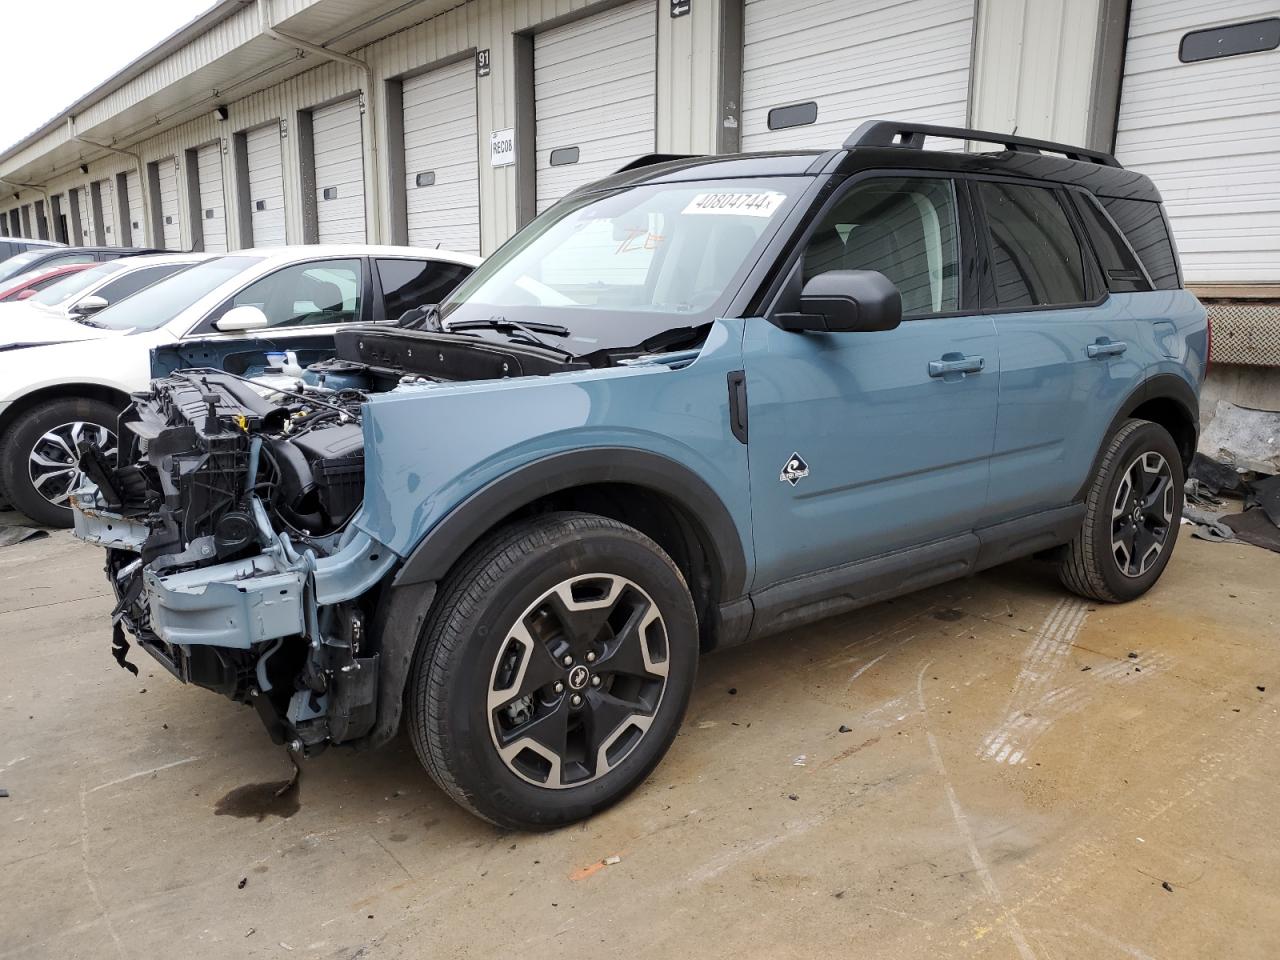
{"x": 954, "y": 366}
{"x": 1106, "y": 347}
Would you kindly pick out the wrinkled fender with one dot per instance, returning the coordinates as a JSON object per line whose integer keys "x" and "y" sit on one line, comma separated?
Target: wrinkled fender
{"x": 448, "y": 540}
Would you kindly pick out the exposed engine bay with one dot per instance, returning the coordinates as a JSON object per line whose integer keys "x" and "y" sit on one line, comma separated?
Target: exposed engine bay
{"x": 232, "y": 505}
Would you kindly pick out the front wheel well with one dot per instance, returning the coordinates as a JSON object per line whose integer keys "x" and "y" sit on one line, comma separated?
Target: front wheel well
{"x": 62, "y": 391}
{"x": 667, "y": 523}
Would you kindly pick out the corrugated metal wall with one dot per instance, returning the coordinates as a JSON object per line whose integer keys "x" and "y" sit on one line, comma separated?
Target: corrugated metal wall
{"x": 687, "y": 116}
{"x": 1035, "y": 67}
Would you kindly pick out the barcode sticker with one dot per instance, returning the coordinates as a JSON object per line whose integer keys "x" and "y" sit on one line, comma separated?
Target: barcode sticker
{"x": 755, "y": 204}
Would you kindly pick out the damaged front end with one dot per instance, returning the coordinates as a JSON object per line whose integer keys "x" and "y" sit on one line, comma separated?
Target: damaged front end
{"x": 232, "y": 552}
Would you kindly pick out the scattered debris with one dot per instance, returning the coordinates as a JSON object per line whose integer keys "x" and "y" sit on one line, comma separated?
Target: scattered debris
{"x": 733, "y": 691}
{"x": 9, "y": 535}
{"x": 3, "y": 793}
{"x": 1167, "y": 886}
{"x": 792, "y": 796}
{"x": 1207, "y": 525}
{"x": 800, "y": 761}
{"x": 1255, "y": 527}
{"x": 839, "y": 894}
{"x": 1242, "y": 438}
{"x": 845, "y": 729}
{"x": 949, "y": 614}
{"x": 610, "y": 861}
{"x": 1132, "y": 655}
{"x": 244, "y": 882}
{"x": 1216, "y": 477}
{"x": 1262, "y": 689}
{"x": 1085, "y": 667}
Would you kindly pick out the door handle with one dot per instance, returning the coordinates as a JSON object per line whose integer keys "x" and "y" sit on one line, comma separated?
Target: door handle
{"x": 1106, "y": 347}
{"x": 954, "y": 366}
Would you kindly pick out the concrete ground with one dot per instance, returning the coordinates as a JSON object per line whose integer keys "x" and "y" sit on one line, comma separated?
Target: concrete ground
{"x": 1024, "y": 775}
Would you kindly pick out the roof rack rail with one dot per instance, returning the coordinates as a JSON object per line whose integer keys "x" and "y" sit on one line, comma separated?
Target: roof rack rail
{"x": 900, "y": 133}
{"x": 649, "y": 159}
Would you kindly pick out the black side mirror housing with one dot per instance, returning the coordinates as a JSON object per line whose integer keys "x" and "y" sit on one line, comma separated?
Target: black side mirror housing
{"x": 846, "y": 301}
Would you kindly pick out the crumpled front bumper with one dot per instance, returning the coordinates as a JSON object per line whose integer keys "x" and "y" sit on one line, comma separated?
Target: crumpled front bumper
{"x": 271, "y": 595}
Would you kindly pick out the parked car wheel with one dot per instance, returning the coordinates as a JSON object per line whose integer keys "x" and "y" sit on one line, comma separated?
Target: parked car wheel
{"x": 1131, "y": 519}
{"x": 39, "y": 467}
{"x": 554, "y": 670}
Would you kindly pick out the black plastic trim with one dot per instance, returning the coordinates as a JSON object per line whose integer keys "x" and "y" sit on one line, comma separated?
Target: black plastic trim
{"x": 835, "y": 590}
{"x": 445, "y": 543}
{"x": 1163, "y": 386}
{"x": 737, "y": 380}
{"x": 904, "y": 134}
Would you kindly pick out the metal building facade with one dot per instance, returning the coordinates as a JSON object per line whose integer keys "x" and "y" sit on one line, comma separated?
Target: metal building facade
{"x": 244, "y": 96}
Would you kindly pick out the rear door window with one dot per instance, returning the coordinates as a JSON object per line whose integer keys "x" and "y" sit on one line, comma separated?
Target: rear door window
{"x": 1036, "y": 256}
{"x": 409, "y": 284}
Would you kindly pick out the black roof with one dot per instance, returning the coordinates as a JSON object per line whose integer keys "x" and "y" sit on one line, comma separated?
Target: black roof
{"x": 899, "y": 145}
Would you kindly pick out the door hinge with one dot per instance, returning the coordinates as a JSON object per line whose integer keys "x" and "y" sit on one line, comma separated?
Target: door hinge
{"x": 738, "y": 404}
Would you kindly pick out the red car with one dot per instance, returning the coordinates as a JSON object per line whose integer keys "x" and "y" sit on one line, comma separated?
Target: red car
{"x": 26, "y": 284}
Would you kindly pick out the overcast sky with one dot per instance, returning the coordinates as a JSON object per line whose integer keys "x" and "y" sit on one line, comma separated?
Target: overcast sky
{"x": 56, "y": 51}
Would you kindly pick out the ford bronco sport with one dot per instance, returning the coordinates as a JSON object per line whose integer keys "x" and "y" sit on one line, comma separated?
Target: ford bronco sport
{"x": 703, "y": 400}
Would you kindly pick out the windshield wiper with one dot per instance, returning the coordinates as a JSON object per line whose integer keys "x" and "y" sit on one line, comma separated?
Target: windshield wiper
{"x": 87, "y": 322}
{"x": 529, "y": 331}
{"x": 502, "y": 323}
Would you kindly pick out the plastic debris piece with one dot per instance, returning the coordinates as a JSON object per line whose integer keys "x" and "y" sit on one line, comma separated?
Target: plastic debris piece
{"x": 610, "y": 861}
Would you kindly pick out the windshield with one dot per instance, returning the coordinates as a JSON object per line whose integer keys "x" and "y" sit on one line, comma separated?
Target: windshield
{"x": 159, "y": 303}
{"x": 16, "y": 265}
{"x": 620, "y": 268}
{"x": 70, "y": 286}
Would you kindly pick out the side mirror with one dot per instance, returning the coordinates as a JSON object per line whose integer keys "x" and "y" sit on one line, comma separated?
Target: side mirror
{"x": 846, "y": 301}
{"x": 90, "y": 304}
{"x": 238, "y": 319}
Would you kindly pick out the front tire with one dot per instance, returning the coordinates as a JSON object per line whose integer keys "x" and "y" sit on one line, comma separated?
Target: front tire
{"x": 39, "y": 465}
{"x": 1132, "y": 512}
{"x": 554, "y": 670}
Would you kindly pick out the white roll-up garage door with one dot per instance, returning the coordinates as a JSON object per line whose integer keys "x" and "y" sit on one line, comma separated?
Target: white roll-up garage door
{"x": 823, "y": 68}
{"x": 266, "y": 186}
{"x": 82, "y": 206}
{"x": 213, "y": 210}
{"x": 1208, "y": 133}
{"x": 594, "y": 84}
{"x": 107, "y": 198}
{"x": 137, "y": 229}
{"x": 170, "y": 221}
{"x": 441, "y": 159}
{"x": 339, "y": 151}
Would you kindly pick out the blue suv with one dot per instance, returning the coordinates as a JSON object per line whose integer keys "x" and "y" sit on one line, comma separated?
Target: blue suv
{"x": 704, "y": 400}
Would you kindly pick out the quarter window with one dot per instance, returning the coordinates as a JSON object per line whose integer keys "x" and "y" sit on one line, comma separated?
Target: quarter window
{"x": 904, "y": 227}
{"x": 409, "y": 284}
{"x": 306, "y": 294}
{"x": 1036, "y": 256}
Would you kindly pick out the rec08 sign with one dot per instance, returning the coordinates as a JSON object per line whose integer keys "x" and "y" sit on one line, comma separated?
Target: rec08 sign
{"x": 502, "y": 147}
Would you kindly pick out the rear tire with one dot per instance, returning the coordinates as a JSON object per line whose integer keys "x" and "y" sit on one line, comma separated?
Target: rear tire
{"x": 1132, "y": 512}
{"x": 39, "y": 448}
{"x": 554, "y": 670}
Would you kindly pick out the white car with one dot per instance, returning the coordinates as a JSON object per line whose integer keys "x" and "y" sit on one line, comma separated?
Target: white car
{"x": 61, "y": 311}
{"x": 53, "y": 395}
